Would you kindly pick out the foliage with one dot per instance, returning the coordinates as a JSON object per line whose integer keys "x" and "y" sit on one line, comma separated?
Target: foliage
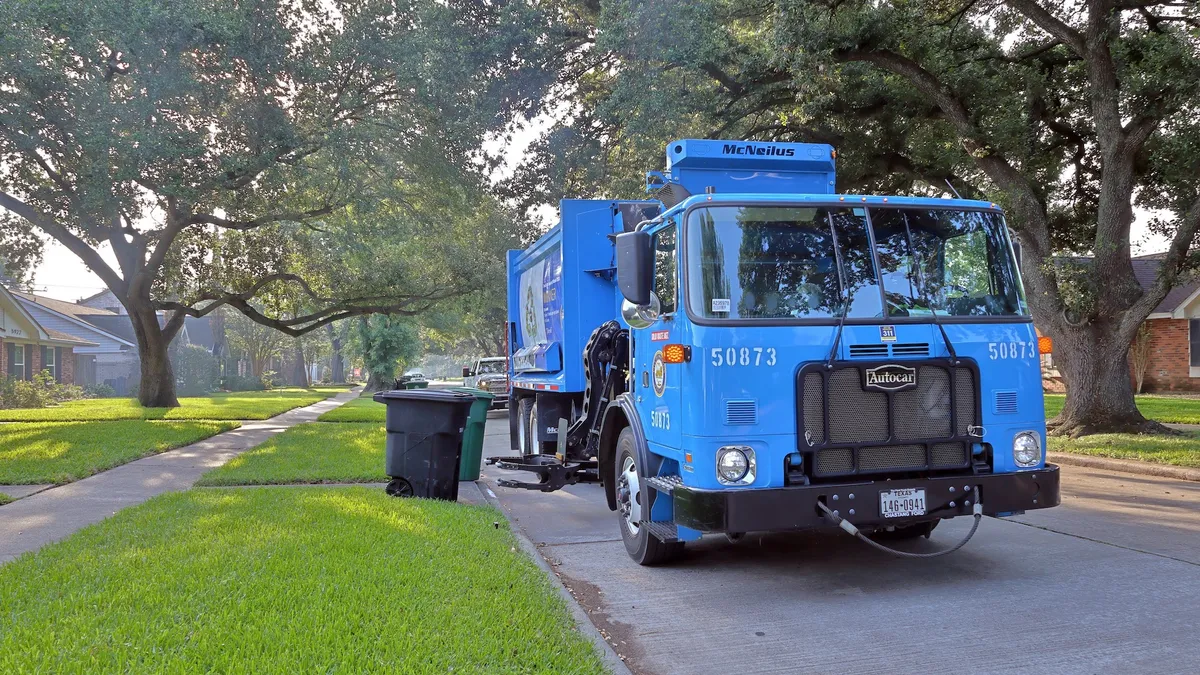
{"x": 253, "y": 342}
{"x": 241, "y": 383}
{"x": 99, "y": 391}
{"x": 268, "y": 379}
{"x": 231, "y": 153}
{"x": 249, "y": 405}
{"x": 385, "y": 344}
{"x": 61, "y": 452}
{"x": 1139, "y": 356}
{"x": 288, "y": 580}
{"x": 40, "y": 392}
{"x": 196, "y": 370}
{"x": 5, "y": 499}
{"x": 309, "y": 453}
{"x": 361, "y": 409}
{"x": 1179, "y": 450}
{"x": 1066, "y": 116}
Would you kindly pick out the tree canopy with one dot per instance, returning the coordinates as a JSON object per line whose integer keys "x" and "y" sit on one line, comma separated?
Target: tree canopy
{"x": 226, "y": 150}
{"x": 1068, "y": 114}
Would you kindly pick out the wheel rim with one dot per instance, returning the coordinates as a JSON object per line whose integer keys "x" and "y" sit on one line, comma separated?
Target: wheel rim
{"x": 629, "y": 496}
{"x": 535, "y": 448}
{"x": 522, "y": 437}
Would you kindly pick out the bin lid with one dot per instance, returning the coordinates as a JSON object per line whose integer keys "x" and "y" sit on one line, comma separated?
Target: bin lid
{"x": 443, "y": 395}
{"x": 477, "y": 393}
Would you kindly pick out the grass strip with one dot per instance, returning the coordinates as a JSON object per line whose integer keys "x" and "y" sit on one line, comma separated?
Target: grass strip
{"x": 1170, "y": 409}
{"x": 309, "y": 453}
{"x": 61, "y": 452}
{"x": 5, "y": 499}
{"x": 242, "y": 405}
{"x": 1182, "y": 450}
{"x": 361, "y": 409}
{"x": 286, "y": 580}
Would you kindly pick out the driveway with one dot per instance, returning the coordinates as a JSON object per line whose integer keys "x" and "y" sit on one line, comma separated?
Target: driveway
{"x": 1109, "y": 582}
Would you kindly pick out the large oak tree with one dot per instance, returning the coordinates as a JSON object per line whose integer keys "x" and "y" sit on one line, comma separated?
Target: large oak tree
{"x": 230, "y": 150}
{"x": 1070, "y": 114}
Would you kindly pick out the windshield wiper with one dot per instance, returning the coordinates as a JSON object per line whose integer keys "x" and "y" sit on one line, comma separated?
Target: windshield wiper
{"x": 937, "y": 321}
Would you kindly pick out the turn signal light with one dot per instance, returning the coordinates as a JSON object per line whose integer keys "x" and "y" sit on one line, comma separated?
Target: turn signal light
{"x": 676, "y": 353}
{"x": 1045, "y": 345}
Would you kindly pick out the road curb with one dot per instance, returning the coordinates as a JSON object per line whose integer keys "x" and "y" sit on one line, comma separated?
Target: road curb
{"x": 610, "y": 658}
{"x": 1125, "y": 466}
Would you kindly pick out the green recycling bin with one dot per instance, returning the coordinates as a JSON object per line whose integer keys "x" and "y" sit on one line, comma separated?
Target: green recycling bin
{"x": 417, "y": 384}
{"x": 472, "y": 440}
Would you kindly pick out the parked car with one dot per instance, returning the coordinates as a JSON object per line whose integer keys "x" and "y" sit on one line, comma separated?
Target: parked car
{"x": 491, "y": 375}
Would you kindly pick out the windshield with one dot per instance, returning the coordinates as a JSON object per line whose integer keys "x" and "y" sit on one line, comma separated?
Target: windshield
{"x": 777, "y": 262}
{"x": 491, "y": 367}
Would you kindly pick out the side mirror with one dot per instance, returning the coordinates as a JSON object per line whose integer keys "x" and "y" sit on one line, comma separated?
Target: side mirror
{"x": 466, "y": 371}
{"x": 635, "y": 266}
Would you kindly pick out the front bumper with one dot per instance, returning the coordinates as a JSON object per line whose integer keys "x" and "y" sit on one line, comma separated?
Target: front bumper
{"x": 499, "y": 401}
{"x": 795, "y": 508}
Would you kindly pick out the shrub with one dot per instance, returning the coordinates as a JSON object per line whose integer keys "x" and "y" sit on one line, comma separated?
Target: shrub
{"x": 241, "y": 383}
{"x": 39, "y": 392}
{"x": 269, "y": 379}
{"x": 99, "y": 391}
{"x": 196, "y": 370}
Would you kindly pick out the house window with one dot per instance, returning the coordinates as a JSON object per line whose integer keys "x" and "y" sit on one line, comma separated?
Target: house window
{"x": 1194, "y": 343}
{"x": 16, "y": 362}
{"x": 48, "y": 363}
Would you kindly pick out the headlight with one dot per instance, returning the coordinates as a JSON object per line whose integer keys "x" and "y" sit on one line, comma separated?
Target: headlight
{"x": 735, "y": 465}
{"x": 1027, "y": 449}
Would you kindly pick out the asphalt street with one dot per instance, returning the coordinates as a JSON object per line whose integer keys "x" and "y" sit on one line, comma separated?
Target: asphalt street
{"x": 1108, "y": 582}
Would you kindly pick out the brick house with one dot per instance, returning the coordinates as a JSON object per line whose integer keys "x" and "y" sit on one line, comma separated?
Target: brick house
{"x": 1174, "y": 352}
{"x": 27, "y": 347}
{"x": 111, "y": 359}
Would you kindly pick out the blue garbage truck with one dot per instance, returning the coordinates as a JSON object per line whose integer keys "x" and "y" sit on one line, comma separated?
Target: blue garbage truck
{"x": 747, "y": 350}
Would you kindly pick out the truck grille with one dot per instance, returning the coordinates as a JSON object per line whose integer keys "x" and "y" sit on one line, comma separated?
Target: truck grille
{"x": 849, "y": 429}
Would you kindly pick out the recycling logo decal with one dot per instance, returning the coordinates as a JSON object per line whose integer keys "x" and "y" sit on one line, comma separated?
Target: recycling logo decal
{"x": 531, "y": 324}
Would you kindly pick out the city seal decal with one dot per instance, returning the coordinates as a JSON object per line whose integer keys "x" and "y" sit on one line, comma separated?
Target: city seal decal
{"x": 890, "y": 377}
{"x": 659, "y": 373}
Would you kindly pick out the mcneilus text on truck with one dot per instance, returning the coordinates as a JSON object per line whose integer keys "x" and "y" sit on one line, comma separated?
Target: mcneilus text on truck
{"x": 750, "y": 351}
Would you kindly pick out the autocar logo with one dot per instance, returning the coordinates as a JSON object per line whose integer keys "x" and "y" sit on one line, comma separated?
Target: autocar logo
{"x": 890, "y": 377}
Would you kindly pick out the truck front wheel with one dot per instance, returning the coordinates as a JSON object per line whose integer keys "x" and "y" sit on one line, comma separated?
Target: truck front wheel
{"x": 643, "y": 547}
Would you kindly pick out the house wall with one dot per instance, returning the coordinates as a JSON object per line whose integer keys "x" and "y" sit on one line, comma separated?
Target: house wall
{"x": 56, "y": 322}
{"x": 1168, "y": 367}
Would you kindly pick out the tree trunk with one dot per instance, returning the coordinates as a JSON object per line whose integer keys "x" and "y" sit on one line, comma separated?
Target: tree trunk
{"x": 337, "y": 363}
{"x": 157, "y": 387}
{"x": 374, "y": 383}
{"x": 299, "y": 370}
{"x": 1094, "y": 362}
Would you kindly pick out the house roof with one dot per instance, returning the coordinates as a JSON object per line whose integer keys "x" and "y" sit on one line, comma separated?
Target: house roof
{"x": 1145, "y": 269}
{"x": 44, "y": 334}
{"x": 68, "y": 308}
{"x": 85, "y": 320}
{"x": 200, "y": 332}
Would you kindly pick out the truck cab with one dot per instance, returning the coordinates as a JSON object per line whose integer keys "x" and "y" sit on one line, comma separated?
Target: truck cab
{"x": 783, "y": 353}
{"x": 491, "y": 375}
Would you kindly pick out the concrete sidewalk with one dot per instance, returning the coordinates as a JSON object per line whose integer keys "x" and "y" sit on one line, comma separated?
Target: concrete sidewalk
{"x": 30, "y": 523}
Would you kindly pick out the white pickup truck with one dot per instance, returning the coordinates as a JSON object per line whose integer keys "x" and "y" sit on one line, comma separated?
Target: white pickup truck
{"x": 491, "y": 375}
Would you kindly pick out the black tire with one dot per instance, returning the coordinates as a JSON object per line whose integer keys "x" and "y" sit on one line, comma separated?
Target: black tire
{"x": 398, "y": 487}
{"x": 527, "y": 434}
{"x": 643, "y": 547}
{"x": 906, "y": 532}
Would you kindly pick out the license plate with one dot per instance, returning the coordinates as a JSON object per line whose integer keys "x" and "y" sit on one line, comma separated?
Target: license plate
{"x": 902, "y": 503}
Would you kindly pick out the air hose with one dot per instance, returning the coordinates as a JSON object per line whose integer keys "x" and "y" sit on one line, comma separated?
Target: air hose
{"x": 976, "y": 509}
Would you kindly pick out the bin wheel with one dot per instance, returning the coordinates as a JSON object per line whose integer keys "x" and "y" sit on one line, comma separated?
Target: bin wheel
{"x": 398, "y": 487}
{"x": 640, "y": 544}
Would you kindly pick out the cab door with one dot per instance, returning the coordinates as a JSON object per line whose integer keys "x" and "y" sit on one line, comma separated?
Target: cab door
{"x": 657, "y": 384}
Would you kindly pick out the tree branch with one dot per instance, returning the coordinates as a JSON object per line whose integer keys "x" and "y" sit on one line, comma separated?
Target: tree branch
{"x": 1172, "y": 265}
{"x": 287, "y": 216}
{"x": 1051, "y": 24}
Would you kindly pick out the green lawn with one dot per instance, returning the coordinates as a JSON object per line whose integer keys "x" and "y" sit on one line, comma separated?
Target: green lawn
{"x": 242, "y": 405}
{"x": 61, "y": 452}
{"x": 4, "y": 499}
{"x": 1170, "y": 409}
{"x": 1183, "y": 450}
{"x": 309, "y": 453}
{"x": 287, "y": 580}
{"x": 361, "y": 409}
